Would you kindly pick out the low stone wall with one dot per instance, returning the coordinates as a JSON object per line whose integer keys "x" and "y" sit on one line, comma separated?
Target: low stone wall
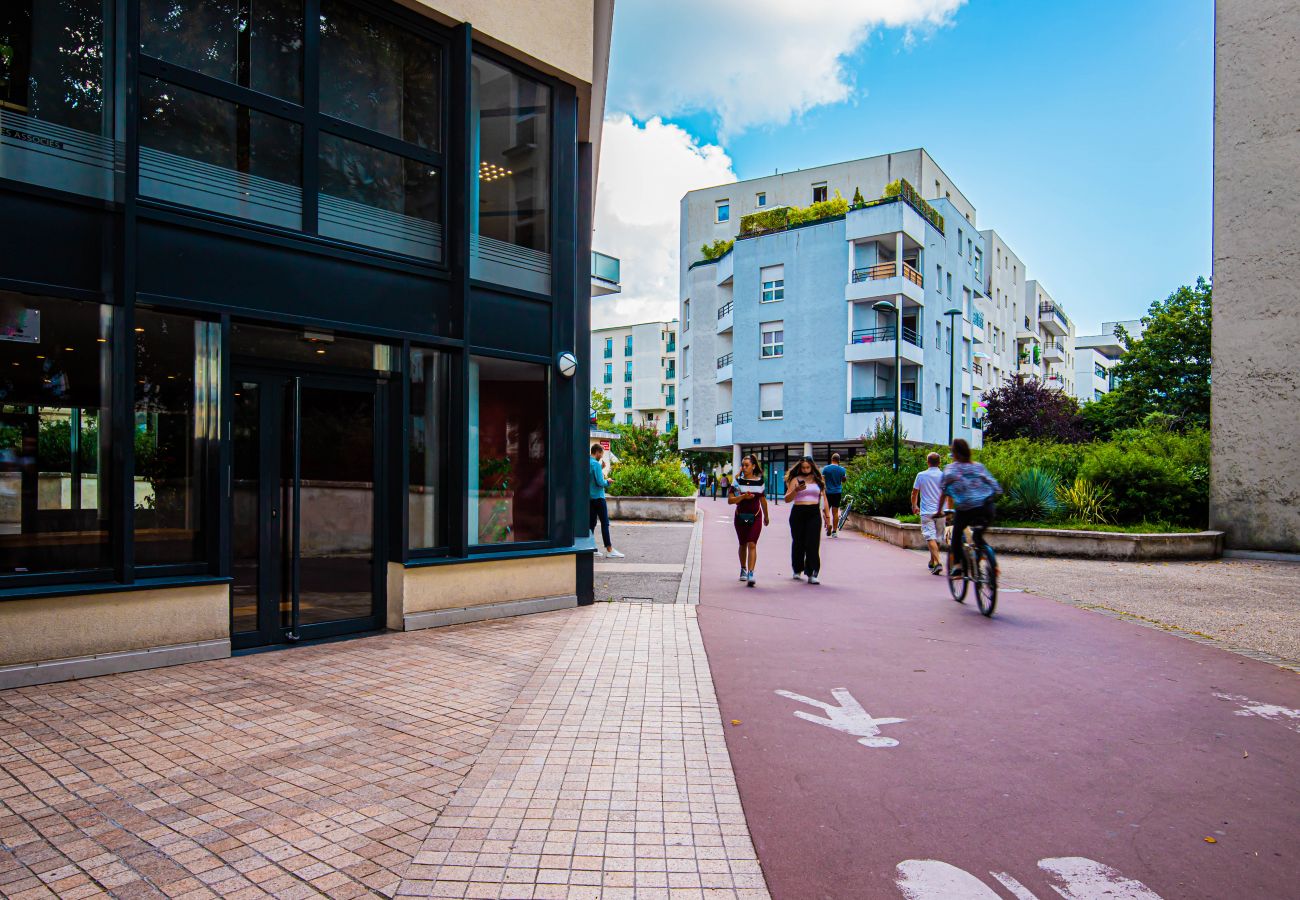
{"x": 1061, "y": 542}
{"x": 652, "y": 509}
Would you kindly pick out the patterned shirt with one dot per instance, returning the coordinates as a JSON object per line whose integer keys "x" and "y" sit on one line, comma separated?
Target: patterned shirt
{"x": 969, "y": 484}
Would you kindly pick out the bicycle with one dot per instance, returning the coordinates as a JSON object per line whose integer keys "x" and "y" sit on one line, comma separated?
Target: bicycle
{"x": 844, "y": 514}
{"x": 985, "y": 568}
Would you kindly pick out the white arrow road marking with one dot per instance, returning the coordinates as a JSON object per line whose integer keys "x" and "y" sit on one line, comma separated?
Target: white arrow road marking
{"x": 1073, "y": 877}
{"x": 1080, "y": 878}
{"x": 848, "y": 717}
{"x": 1249, "y": 707}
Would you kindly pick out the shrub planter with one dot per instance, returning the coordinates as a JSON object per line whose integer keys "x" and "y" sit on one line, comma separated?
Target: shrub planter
{"x": 1061, "y": 542}
{"x": 652, "y": 509}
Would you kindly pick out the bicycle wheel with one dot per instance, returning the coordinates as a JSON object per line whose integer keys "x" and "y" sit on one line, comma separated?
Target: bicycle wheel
{"x": 844, "y": 516}
{"x": 956, "y": 583}
{"x": 986, "y": 580}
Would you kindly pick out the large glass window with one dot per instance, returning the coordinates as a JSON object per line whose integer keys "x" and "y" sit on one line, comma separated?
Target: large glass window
{"x": 379, "y": 75}
{"x": 177, "y": 372}
{"x": 512, "y": 133}
{"x": 201, "y": 151}
{"x": 56, "y": 114}
{"x": 253, "y": 43}
{"x": 427, "y": 448}
{"x": 380, "y": 199}
{"x": 55, "y": 380}
{"x": 509, "y": 413}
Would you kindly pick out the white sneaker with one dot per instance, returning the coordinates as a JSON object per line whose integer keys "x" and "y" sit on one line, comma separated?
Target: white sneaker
{"x": 613, "y": 554}
{"x": 812, "y": 579}
{"x": 599, "y": 552}
{"x": 749, "y": 578}
{"x": 798, "y": 577}
{"x": 743, "y": 573}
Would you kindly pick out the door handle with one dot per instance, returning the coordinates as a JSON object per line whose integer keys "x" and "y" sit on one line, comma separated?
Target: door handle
{"x": 275, "y": 513}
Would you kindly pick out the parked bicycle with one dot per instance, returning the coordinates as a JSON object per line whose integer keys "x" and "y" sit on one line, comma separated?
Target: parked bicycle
{"x": 972, "y": 561}
{"x": 844, "y": 514}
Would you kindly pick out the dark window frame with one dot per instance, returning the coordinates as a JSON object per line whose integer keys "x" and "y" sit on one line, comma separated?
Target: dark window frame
{"x": 312, "y": 121}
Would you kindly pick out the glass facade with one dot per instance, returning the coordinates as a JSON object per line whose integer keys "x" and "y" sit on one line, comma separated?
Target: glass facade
{"x": 509, "y": 429}
{"x": 177, "y": 415}
{"x": 511, "y": 122}
{"x": 426, "y": 449}
{"x": 55, "y": 452}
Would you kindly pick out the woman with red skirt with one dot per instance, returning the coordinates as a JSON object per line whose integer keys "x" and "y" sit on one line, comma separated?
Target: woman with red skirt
{"x": 746, "y": 494}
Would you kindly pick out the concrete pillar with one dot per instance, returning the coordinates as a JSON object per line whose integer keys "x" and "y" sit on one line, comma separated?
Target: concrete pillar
{"x": 735, "y": 459}
{"x": 807, "y": 448}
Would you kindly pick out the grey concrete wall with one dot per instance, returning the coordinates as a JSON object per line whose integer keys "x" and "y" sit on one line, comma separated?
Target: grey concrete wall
{"x": 1255, "y": 418}
{"x": 652, "y": 509}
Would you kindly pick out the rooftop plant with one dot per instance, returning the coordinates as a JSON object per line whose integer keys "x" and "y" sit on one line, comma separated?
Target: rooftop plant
{"x": 785, "y": 216}
{"x": 717, "y": 249}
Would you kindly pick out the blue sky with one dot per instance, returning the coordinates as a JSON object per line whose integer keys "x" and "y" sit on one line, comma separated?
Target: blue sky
{"x": 1080, "y": 131}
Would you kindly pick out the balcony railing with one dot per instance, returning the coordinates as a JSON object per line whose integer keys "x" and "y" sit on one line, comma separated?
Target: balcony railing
{"x": 1049, "y": 308}
{"x": 671, "y": 346}
{"x": 883, "y": 404}
{"x": 725, "y": 309}
{"x": 604, "y": 267}
{"x": 609, "y": 353}
{"x": 913, "y": 276}
{"x": 977, "y": 424}
{"x": 876, "y": 272}
{"x": 977, "y": 318}
{"x": 609, "y": 378}
{"x": 724, "y": 361}
{"x": 627, "y": 377}
{"x": 1054, "y": 345}
{"x": 724, "y": 418}
{"x": 670, "y": 399}
{"x": 670, "y": 373}
{"x": 978, "y": 369}
{"x": 886, "y": 333}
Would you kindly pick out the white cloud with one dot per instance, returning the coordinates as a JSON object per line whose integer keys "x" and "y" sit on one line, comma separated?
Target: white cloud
{"x": 644, "y": 171}
{"x": 749, "y": 62}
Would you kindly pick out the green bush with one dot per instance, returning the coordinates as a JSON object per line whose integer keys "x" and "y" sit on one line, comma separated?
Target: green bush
{"x": 1031, "y": 494}
{"x": 1007, "y": 459}
{"x": 717, "y": 249}
{"x": 1148, "y": 486}
{"x": 767, "y": 220}
{"x": 1084, "y": 501}
{"x": 873, "y": 485}
{"x": 638, "y": 479}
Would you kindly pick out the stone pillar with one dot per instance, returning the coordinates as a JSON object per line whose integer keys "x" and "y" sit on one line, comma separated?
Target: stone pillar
{"x": 735, "y": 459}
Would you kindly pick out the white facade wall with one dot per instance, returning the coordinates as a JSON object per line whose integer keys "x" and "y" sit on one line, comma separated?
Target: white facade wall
{"x": 654, "y": 372}
{"x": 1053, "y": 335}
{"x": 1004, "y": 281}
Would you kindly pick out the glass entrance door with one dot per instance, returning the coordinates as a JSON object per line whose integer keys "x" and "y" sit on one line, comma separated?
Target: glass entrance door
{"x": 305, "y": 514}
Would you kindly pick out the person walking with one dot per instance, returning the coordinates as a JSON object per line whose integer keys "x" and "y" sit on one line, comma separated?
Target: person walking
{"x": 834, "y": 474}
{"x": 927, "y": 487}
{"x": 971, "y": 491}
{"x": 599, "y": 508}
{"x": 746, "y": 494}
{"x": 805, "y": 490}
{"x": 704, "y": 482}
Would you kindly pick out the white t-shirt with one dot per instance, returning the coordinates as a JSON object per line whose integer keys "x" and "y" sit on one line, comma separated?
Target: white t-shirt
{"x": 930, "y": 484}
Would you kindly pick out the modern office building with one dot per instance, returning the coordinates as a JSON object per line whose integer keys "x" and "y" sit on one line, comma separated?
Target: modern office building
{"x": 786, "y": 346}
{"x": 284, "y": 312}
{"x": 636, "y": 368}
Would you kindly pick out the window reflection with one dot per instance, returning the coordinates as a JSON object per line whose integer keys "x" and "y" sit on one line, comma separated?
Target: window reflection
{"x": 55, "y": 376}
{"x": 379, "y": 199}
{"x": 55, "y": 115}
{"x": 426, "y": 448}
{"x": 508, "y": 451}
{"x": 201, "y": 151}
{"x": 378, "y": 75}
{"x": 511, "y": 122}
{"x": 255, "y": 44}
{"x": 176, "y": 411}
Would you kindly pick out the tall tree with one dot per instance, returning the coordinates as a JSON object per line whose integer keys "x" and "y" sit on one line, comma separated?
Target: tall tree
{"x": 1167, "y": 369}
{"x": 1028, "y": 408}
{"x": 601, "y": 409}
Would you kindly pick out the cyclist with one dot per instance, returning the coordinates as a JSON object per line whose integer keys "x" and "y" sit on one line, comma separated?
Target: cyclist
{"x": 971, "y": 491}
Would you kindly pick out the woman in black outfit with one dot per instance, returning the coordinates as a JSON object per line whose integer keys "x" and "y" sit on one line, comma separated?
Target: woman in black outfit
{"x": 805, "y": 491}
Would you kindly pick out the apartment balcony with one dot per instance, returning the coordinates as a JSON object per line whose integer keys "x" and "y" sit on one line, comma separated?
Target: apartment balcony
{"x": 722, "y": 430}
{"x": 885, "y": 281}
{"x": 883, "y": 220}
{"x": 609, "y": 353}
{"x": 723, "y": 369}
{"x": 1054, "y": 351}
{"x": 877, "y": 345}
{"x": 883, "y": 404}
{"x": 976, "y": 375}
{"x": 609, "y": 379}
{"x": 670, "y": 347}
{"x": 725, "y": 269}
{"x": 670, "y": 373}
{"x": 726, "y": 313}
{"x": 605, "y": 273}
{"x": 1051, "y": 318}
{"x": 867, "y": 413}
{"x": 627, "y": 377}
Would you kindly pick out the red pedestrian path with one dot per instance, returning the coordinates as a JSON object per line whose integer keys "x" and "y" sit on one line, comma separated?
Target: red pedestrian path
{"x": 1046, "y": 732}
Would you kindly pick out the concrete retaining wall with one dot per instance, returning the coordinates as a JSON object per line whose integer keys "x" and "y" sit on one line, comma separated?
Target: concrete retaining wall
{"x": 1060, "y": 542}
{"x": 652, "y": 509}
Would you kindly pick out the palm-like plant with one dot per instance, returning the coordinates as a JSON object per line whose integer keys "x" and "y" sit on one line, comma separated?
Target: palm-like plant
{"x": 1031, "y": 495}
{"x": 1085, "y": 500}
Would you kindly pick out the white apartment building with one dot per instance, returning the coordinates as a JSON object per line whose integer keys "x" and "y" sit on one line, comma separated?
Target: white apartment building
{"x": 1096, "y": 355}
{"x": 1045, "y": 335}
{"x": 636, "y": 368}
{"x": 1004, "y": 289}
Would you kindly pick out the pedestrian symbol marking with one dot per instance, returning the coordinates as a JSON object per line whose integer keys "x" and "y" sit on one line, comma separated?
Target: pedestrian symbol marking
{"x": 1070, "y": 877}
{"x": 848, "y": 717}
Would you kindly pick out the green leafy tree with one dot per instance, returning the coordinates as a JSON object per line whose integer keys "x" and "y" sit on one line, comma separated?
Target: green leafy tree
{"x": 1167, "y": 369}
{"x": 857, "y": 198}
{"x": 638, "y": 443}
{"x": 717, "y": 249}
{"x": 601, "y": 406}
{"x": 698, "y": 461}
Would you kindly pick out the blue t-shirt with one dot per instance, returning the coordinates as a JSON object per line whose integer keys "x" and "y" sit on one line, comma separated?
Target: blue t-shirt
{"x": 598, "y": 480}
{"x": 834, "y": 476}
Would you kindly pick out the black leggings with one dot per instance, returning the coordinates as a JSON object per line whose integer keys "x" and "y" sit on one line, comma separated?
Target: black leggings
{"x": 977, "y": 517}
{"x": 805, "y": 539}
{"x": 600, "y": 511}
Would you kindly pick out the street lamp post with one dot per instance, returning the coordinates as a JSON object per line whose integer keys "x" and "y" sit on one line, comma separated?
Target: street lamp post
{"x": 952, "y": 368}
{"x": 884, "y": 306}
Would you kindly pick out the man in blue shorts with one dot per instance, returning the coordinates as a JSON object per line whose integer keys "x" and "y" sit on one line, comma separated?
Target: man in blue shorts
{"x": 834, "y": 476}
